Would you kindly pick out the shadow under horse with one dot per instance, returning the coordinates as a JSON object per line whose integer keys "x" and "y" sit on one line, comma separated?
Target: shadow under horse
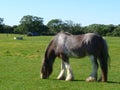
{"x": 66, "y": 45}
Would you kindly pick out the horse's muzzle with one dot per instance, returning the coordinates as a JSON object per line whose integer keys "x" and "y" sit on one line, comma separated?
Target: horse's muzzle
{"x": 43, "y": 76}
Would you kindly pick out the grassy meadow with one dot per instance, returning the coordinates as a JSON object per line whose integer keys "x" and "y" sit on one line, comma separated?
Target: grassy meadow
{"x": 20, "y": 62}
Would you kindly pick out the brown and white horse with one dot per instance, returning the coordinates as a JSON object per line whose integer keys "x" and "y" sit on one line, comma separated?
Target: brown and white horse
{"x": 65, "y": 45}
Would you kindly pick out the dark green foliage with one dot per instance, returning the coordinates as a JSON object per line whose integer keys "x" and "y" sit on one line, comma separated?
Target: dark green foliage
{"x": 1, "y": 25}
{"x": 31, "y": 24}
{"x": 34, "y": 25}
{"x": 116, "y": 31}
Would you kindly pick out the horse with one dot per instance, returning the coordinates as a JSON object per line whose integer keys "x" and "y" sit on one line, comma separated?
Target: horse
{"x": 65, "y": 45}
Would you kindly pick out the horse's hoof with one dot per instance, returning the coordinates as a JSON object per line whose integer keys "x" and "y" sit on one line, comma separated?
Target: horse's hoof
{"x": 61, "y": 78}
{"x": 69, "y": 79}
{"x": 90, "y": 79}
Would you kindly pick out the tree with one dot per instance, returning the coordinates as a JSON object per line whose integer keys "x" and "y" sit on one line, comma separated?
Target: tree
{"x": 1, "y": 25}
{"x": 7, "y": 29}
{"x": 55, "y": 25}
{"x": 20, "y": 29}
{"x": 32, "y": 24}
{"x": 1, "y": 21}
{"x": 116, "y": 31}
{"x": 99, "y": 28}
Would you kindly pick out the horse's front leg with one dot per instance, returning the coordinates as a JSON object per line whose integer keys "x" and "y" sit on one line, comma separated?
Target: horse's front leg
{"x": 61, "y": 76}
{"x": 69, "y": 76}
{"x": 93, "y": 75}
{"x": 66, "y": 65}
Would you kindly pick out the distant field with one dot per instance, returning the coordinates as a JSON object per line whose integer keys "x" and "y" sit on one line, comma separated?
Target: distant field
{"x": 20, "y": 62}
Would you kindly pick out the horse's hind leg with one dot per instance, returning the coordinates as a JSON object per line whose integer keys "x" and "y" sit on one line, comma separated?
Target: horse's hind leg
{"x": 61, "y": 76}
{"x": 104, "y": 69}
{"x": 93, "y": 75}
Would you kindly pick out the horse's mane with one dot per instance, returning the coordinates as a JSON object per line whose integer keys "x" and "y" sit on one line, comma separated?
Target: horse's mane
{"x": 66, "y": 33}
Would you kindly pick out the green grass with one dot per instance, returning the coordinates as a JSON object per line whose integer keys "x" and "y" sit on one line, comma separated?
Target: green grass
{"x": 20, "y": 62}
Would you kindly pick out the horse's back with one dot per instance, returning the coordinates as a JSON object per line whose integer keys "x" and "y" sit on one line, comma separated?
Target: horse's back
{"x": 78, "y": 45}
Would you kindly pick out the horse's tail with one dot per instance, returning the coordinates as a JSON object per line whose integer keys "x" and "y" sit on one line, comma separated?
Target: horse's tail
{"x": 105, "y": 61}
{"x": 106, "y": 53}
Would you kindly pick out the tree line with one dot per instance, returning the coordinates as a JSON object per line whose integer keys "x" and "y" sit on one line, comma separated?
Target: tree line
{"x": 33, "y": 25}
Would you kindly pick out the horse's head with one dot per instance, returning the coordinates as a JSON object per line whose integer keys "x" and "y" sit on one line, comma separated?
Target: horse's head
{"x": 46, "y": 70}
{"x": 48, "y": 61}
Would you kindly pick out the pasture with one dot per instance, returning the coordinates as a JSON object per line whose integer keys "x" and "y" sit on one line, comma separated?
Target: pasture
{"x": 20, "y": 62}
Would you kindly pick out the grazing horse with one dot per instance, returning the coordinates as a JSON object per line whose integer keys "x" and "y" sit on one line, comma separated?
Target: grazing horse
{"x": 65, "y": 45}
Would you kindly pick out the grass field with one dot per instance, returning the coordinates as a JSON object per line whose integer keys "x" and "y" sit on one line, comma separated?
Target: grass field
{"x": 20, "y": 62}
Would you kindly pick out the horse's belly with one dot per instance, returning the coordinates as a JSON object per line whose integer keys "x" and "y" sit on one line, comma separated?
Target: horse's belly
{"x": 73, "y": 54}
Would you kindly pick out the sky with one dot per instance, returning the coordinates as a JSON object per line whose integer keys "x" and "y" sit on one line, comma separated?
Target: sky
{"x": 84, "y": 12}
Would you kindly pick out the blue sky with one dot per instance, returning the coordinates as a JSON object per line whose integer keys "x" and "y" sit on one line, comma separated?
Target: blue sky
{"x": 84, "y": 12}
